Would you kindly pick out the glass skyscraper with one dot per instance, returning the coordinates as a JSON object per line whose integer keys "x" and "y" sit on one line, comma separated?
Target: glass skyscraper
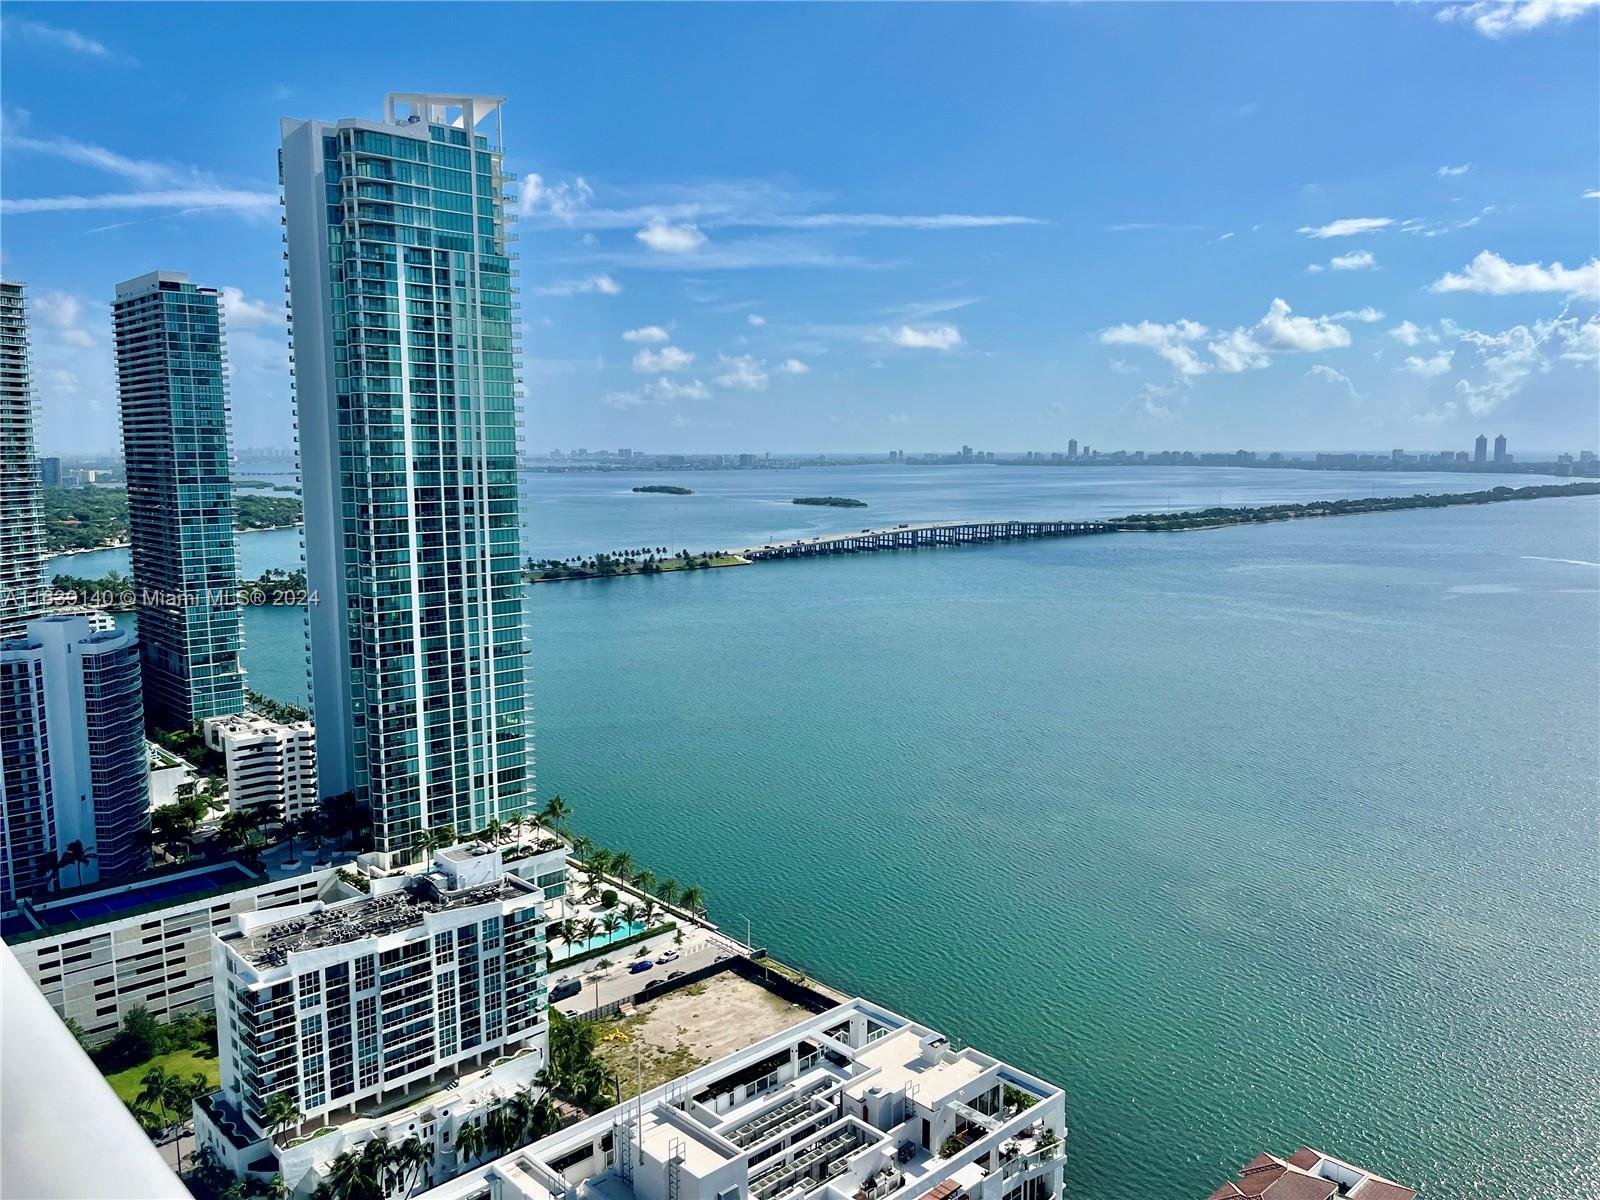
{"x": 406, "y": 391}
{"x": 180, "y": 497}
{"x": 20, "y": 545}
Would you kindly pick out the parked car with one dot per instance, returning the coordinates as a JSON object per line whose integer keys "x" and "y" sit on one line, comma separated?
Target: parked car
{"x": 640, "y": 967}
{"x": 675, "y": 975}
{"x": 667, "y": 955}
{"x": 566, "y": 988}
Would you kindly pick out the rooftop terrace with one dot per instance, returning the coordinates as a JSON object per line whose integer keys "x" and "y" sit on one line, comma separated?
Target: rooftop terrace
{"x": 367, "y": 917}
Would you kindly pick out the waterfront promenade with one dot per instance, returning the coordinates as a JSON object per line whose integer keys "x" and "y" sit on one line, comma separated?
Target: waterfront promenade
{"x": 928, "y": 533}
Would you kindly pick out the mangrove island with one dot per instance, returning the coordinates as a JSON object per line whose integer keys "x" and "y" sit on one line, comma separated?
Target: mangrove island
{"x": 664, "y": 489}
{"x": 831, "y": 501}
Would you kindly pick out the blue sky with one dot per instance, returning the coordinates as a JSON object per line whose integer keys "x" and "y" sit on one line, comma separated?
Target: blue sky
{"x": 872, "y": 227}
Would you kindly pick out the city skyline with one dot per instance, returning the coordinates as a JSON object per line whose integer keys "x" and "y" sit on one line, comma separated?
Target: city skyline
{"x": 689, "y": 285}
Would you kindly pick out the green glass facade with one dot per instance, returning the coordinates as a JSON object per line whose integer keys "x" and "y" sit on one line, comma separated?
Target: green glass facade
{"x": 170, "y": 381}
{"x": 407, "y": 388}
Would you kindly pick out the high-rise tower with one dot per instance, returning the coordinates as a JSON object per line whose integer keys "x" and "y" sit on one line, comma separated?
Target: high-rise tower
{"x": 180, "y": 497}
{"x": 406, "y": 390}
{"x": 1480, "y": 449}
{"x": 74, "y": 780}
{"x": 21, "y": 548}
{"x": 1500, "y": 454}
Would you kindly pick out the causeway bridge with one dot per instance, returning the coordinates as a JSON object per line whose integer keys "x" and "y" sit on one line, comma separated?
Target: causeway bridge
{"x": 931, "y": 533}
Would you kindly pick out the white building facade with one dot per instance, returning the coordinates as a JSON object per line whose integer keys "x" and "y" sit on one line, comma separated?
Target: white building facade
{"x": 337, "y": 1004}
{"x": 73, "y": 772}
{"x": 268, "y": 762}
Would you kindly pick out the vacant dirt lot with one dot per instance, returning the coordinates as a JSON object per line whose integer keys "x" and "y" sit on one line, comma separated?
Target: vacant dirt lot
{"x": 683, "y": 1030}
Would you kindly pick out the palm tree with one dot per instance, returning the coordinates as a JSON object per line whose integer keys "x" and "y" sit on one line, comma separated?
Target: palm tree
{"x": 156, "y": 1091}
{"x": 590, "y": 927}
{"x": 645, "y": 881}
{"x": 236, "y": 826}
{"x": 630, "y": 914}
{"x": 694, "y": 900}
{"x": 611, "y": 923}
{"x": 291, "y": 828}
{"x": 623, "y": 866}
{"x": 513, "y": 825}
{"x": 647, "y": 912}
{"x": 571, "y": 933}
{"x": 669, "y": 891}
{"x": 598, "y": 860}
{"x": 493, "y": 831}
{"x": 444, "y": 835}
{"x": 556, "y": 810}
{"x": 470, "y": 1143}
{"x": 421, "y": 842}
{"x": 281, "y": 1112}
{"x": 76, "y": 856}
{"x": 406, "y": 1163}
{"x": 582, "y": 847}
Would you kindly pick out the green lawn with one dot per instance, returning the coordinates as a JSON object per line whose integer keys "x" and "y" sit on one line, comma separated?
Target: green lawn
{"x": 181, "y": 1062}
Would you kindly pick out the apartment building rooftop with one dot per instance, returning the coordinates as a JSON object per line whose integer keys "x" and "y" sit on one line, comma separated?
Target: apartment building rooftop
{"x": 1309, "y": 1174}
{"x": 370, "y": 917}
{"x": 854, "y": 1103}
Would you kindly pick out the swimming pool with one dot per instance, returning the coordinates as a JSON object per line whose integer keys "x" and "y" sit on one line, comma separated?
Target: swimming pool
{"x": 155, "y": 891}
{"x": 599, "y": 940}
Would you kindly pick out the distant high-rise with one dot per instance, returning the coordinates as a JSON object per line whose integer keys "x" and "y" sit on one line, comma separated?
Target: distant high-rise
{"x": 74, "y": 774}
{"x": 21, "y": 547}
{"x": 1500, "y": 455}
{"x": 406, "y": 389}
{"x": 180, "y": 497}
{"x": 49, "y": 472}
{"x": 1072, "y": 447}
{"x": 1480, "y": 449}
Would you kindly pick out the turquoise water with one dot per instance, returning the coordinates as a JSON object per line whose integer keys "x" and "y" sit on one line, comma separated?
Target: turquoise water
{"x": 1250, "y": 838}
{"x": 561, "y": 951}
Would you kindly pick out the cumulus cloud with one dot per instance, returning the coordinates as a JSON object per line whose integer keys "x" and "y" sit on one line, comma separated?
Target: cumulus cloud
{"x": 1507, "y": 360}
{"x": 602, "y": 284}
{"x": 1284, "y": 331}
{"x": 647, "y": 333}
{"x": 756, "y": 319}
{"x": 668, "y": 358}
{"x": 670, "y": 390}
{"x": 1327, "y": 374}
{"x": 792, "y": 366}
{"x": 61, "y": 314}
{"x": 1408, "y": 333}
{"x": 1492, "y": 275}
{"x": 563, "y": 201}
{"x": 1365, "y": 315}
{"x": 1356, "y": 260}
{"x": 743, "y": 372}
{"x": 1348, "y": 227}
{"x": 1171, "y": 342}
{"x": 667, "y": 238}
{"x": 623, "y": 401}
{"x": 1428, "y": 368}
{"x": 1239, "y": 351}
{"x": 1448, "y": 172}
{"x": 1504, "y": 18}
{"x": 244, "y": 313}
{"x": 928, "y": 337}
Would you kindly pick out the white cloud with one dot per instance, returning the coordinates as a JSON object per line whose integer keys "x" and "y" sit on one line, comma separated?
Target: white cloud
{"x": 1356, "y": 260}
{"x": 669, "y": 390}
{"x": 564, "y": 202}
{"x": 243, "y": 313}
{"x": 1286, "y": 332}
{"x": 892, "y": 221}
{"x": 192, "y": 200}
{"x": 792, "y": 366}
{"x": 756, "y": 319}
{"x": 1492, "y": 275}
{"x": 647, "y": 333}
{"x": 1239, "y": 351}
{"x": 1348, "y": 227}
{"x": 67, "y": 39}
{"x": 603, "y": 284}
{"x": 1428, "y": 368}
{"x": 743, "y": 372}
{"x": 930, "y": 337}
{"x": 666, "y": 238}
{"x": 61, "y": 314}
{"x": 1366, "y": 315}
{"x": 1503, "y": 18}
{"x": 623, "y": 401}
{"x": 668, "y": 358}
{"x": 1508, "y": 360}
{"x": 1592, "y": 195}
{"x": 1410, "y": 334}
{"x": 1448, "y": 172}
{"x": 899, "y": 419}
{"x": 1171, "y": 342}
{"x": 1328, "y": 374}
{"x": 1582, "y": 345}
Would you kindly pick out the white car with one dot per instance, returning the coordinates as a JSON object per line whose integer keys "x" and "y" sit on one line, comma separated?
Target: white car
{"x": 667, "y": 956}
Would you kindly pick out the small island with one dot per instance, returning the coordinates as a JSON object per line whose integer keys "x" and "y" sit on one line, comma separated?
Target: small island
{"x": 664, "y": 489}
{"x": 831, "y": 501}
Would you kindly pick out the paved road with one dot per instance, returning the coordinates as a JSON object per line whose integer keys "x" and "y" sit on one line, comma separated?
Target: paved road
{"x": 700, "y": 948}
